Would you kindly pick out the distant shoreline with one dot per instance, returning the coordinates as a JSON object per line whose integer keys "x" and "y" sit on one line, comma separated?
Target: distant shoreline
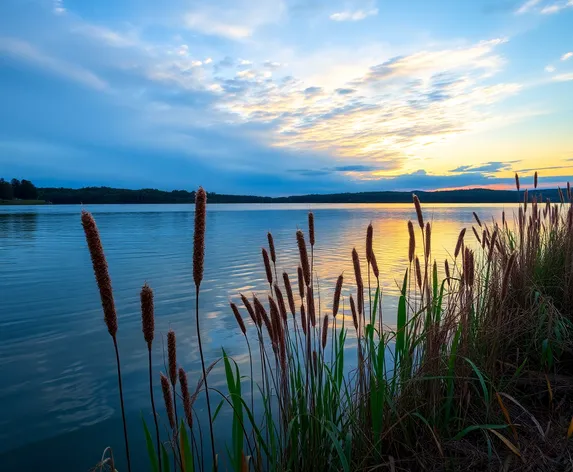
{"x": 108, "y": 195}
{"x": 23, "y": 202}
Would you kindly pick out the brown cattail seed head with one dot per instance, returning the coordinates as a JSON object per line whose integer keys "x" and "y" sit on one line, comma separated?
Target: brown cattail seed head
{"x": 357, "y": 271}
{"x": 310, "y": 304}
{"x": 337, "y": 291}
{"x": 324, "y": 331}
{"x": 281, "y": 303}
{"x": 525, "y": 199}
{"x": 147, "y": 314}
{"x": 290, "y": 296}
{"x": 260, "y": 312}
{"x": 535, "y": 180}
{"x": 476, "y": 234}
{"x": 428, "y": 239}
{"x": 354, "y": 314}
{"x": 369, "y": 243}
{"x": 506, "y": 275}
{"x": 447, "y": 270}
{"x": 272, "y": 247}
{"x": 460, "y": 242}
{"x": 303, "y": 256}
{"x": 301, "y": 284}
{"x": 517, "y": 181}
{"x": 184, "y": 384}
{"x": 275, "y": 320}
{"x": 569, "y": 194}
{"x": 561, "y": 197}
{"x": 264, "y": 317}
{"x": 250, "y": 309}
{"x": 418, "y": 272}
{"x": 172, "y": 356}
{"x": 477, "y": 219}
{"x": 412, "y": 245}
{"x": 168, "y": 399}
{"x": 374, "y": 263}
{"x": 199, "y": 237}
{"x": 101, "y": 272}
{"x": 239, "y": 318}
{"x": 311, "y": 227}
{"x": 267, "y": 263}
{"x": 418, "y": 211}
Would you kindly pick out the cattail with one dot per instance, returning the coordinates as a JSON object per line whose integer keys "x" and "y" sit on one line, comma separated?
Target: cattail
{"x": 428, "y": 240}
{"x": 267, "y": 263}
{"x": 147, "y": 314}
{"x": 183, "y": 383}
{"x": 506, "y": 274}
{"x": 324, "y": 331}
{"x": 315, "y": 362}
{"x": 311, "y": 227}
{"x": 199, "y": 236}
{"x": 569, "y": 195}
{"x": 250, "y": 310}
{"x": 561, "y": 195}
{"x": 263, "y": 316}
{"x": 101, "y": 272}
{"x": 418, "y": 211}
{"x": 369, "y": 243}
{"x": 503, "y": 217}
{"x": 517, "y": 181}
{"x": 275, "y": 320}
{"x": 172, "y": 356}
{"x": 468, "y": 267}
{"x": 272, "y": 247}
{"x": 337, "y": 291}
{"x": 418, "y": 273}
{"x": 525, "y": 200}
{"x": 168, "y": 399}
{"x": 476, "y": 234}
{"x": 477, "y": 219}
{"x": 535, "y": 180}
{"x": 290, "y": 296}
{"x": 492, "y": 246}
{"x": 412, "y": 246}
{"x": 375, "y": 269}
{"x": 301, "y": 284}
{"x": 303, "y": 257}
{"x": 303, "y": 318}
{"x": 460, "y": 242}
{"x": 310, "y": 304}
{"x": 281, "y": 302}
{"x": 447, "y": 270}
{"x": 484, "y": 239}
{"x": 357, "y": 271}
{"x": 239, "y": 318}
{"x": 354, "y": 315}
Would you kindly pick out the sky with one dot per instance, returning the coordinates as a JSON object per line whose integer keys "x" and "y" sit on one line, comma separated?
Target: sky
{"x": 283, "y": 97}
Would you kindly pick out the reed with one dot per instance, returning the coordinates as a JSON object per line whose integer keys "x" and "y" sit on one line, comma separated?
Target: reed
{"x": 103, "y": 281}
{"x": 148, "y": 328}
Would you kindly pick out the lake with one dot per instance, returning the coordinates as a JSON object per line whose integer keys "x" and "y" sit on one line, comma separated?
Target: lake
{"x": 58, "y": 395}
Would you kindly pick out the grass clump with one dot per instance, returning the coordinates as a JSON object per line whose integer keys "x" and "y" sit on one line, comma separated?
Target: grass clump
{"x": 475, "y": 375}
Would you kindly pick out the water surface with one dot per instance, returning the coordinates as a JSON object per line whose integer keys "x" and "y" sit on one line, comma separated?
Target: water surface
{"x": 58, "y": 393}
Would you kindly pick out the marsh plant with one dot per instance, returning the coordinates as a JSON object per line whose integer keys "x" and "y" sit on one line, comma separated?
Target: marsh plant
{"x": 475, "y": 373}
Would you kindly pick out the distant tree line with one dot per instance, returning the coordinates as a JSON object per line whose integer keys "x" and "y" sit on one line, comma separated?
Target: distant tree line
{"x": 18, "y": 189}
{"x": 25, "y": 190}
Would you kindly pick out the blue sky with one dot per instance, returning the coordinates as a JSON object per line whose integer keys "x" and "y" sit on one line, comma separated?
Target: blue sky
{"x": 286, "y": 96}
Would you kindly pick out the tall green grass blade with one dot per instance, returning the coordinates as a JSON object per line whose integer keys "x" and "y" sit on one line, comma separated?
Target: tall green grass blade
{"x": 150, "y": 448}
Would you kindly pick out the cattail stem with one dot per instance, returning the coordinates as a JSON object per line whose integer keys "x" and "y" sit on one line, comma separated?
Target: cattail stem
{"x": 153, "y": 408}
{"x": 121, "y": 402}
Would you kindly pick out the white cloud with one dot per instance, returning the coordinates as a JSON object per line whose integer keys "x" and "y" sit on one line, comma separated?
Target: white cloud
{"x": 355, "y": 15}
{"x": 556, "y": 7}
{"x": 208, "y": 61}
{"x": 527, "y": 6}
{"x": 106, "y": 35}
{"x": 58, "y": 7}
{"x": 567, "y": 56}
{"x": 26, "y": 52}
{"x": 206, "y": 25}
{"x": 549, "y": 68}
{"x": 563, "y": 77}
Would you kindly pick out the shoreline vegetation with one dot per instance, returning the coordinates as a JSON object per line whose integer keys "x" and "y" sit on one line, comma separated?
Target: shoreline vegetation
{"x": 11, "y": 194}
{"x": 475, "y": 375}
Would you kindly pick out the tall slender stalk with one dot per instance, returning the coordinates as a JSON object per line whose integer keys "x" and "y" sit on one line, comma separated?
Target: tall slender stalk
{"x": 198, "y": 267}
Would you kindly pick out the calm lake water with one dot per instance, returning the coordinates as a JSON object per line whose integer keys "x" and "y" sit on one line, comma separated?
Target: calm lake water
{"x": 58, "y": 394}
